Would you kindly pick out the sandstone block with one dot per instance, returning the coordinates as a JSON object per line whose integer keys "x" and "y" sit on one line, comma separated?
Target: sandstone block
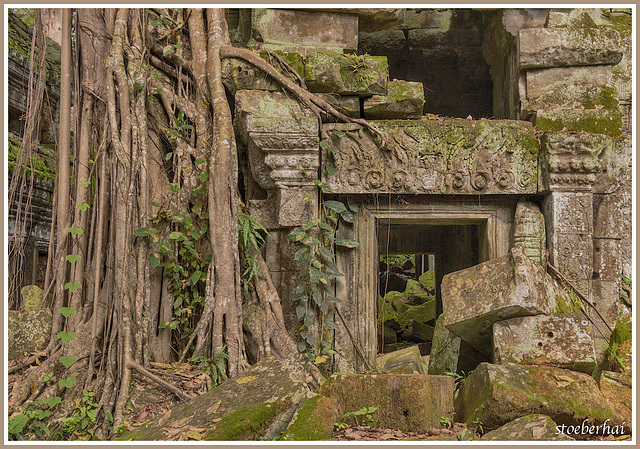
{"x": 381, "y": 42}
{"x": 497, "y": 394}
{"x": 507, "y": 287}
{"x": 408, "y": 402}
{"x": 547, "y": 81}
{"x": 561, "y": 47}
{"x": 427, "y": 18}
{"x": 286, "y": 28}
{"x": 404, "y": 100}
{"x": 347, "y": 104}
{"x": 596, "y": 121}
{"x": 402, "y": 361}
{"x": 563, "y": 341}
{"x": 418, "y": 331}
{"x": 346, "y": 74}
{"x": 534, "y": 427}
{"x": 29, "y": 331}
{"x": 530, "y": 232}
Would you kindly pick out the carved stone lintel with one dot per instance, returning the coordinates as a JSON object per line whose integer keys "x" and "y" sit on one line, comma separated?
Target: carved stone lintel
{"x": 455, "y": 156}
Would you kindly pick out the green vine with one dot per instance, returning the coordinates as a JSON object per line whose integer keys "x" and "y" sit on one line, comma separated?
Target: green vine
{"x": 317, "y": 255}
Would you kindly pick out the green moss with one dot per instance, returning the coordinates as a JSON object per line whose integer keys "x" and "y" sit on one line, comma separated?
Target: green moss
{"x": 42, "y": 159}
{"x": 610, "y": 124}
{"x": 314, "y": 421}
{"x": 609, "y": 97}
{"x": 564, "y": 307}
{"x": 248, "y": 423}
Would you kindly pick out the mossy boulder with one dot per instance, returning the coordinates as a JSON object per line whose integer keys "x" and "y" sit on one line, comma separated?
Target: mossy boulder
{"x": 445, "y": 349}
{"x": 617, "y": 389}
{"x": 596, "y": 121}
{"x": 408, "y": 402}
{"x": 428, "y": 281}
{"x": 314, "y": 420}
{"x": 497, "y": 394}
{"x": 619, "y": 351}
{"x": 267, "y": 393}
{"x": 534, "y": 427}
{"x": 31, "y": 297}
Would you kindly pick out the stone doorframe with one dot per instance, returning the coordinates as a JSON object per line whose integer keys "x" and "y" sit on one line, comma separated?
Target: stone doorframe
{"x": 360, "y": 284}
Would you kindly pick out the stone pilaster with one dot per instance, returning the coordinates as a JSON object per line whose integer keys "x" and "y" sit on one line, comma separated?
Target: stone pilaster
{"x": 568, "y": 165}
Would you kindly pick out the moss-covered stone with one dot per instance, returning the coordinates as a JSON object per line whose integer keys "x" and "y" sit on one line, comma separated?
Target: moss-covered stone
{"x": 404, "y": 100}
{"x": 314, "y": 420}
{"x": 31, "y": 297}
{"x": 428, "y": 281}
{"x": 42, "y": 161}
{"x": 598, "y": 121}
{"x": 248, "y": 423}
{"x": 28, "y": 331}
{"x": 402, "y": 361}
{"x": 413, "y": 402}
{"x": 534, "y": 427}
{"x": 497, "y": 394}
{"x": 346, "y": 74}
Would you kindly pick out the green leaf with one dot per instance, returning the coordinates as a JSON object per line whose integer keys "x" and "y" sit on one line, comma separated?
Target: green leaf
{"x": 176, "y": 235}
{"x": 66, "y": 337}
{"x": 82, "y": 207}
{"x": 85, "y": 184}
{"x": 307, "y": 225}
{"x": 199, "y": 161}
{"x": 75, "y": 231}
{"x": 163, "y": 324}
{"x": 154, "y": 258}
{"x": 302, "y": 347}
{"x": 168, "y": 156}
{"x": 317, "y": 276}
{"x": 174, "y": 188}
{"x": 323, "y": 145}
{"x": 331, "y": 170}
{"x": 325, "y": 226}
{"x": 323, "y": 185}
{"x": 68, "y": 382}
{"x": 67, "y": 311}
{"x": 324, "y": 252}
{"x": 353, "y": 206}
{"x": 332, "y": 299}
{"x": 335, "y": 205}
{"x": 73, "y": 286}
{"x": 203, "y": 176}
{"x": 296, "y": 236}
{"x": 17, "y": 423}
{"x": 317, "y": 297}
{"x": 67, "y": 361}
{"x": 157, "y": 76}
{"x": 145, "y": 232}
{"x": 338, "y": 133}
{"x": 332, "y": 269}
{"x": 138, "y": 86}
{"x": 310, "y": 241}
{"x": 73, "y": 258}
{"x": 348, "y": 216}
{"x": 301, "y": 311}
{"x": 196, "y": 276}
{"x": 330, "y": 324}
{"x": 51, "y": 401}
{"x": 626, "y": 280}
{"x": 347, "y": 243}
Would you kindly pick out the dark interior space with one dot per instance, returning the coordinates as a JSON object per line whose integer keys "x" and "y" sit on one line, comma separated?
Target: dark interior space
{"x": 413, "y": 260}
{"x": 443, "y": 51}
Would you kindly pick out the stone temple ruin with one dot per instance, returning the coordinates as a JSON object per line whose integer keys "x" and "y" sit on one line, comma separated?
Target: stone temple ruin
{"x": 508, "y": 146}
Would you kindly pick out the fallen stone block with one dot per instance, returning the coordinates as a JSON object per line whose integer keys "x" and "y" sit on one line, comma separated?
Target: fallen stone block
{"x": 31, "y": 297}
{"x": 349, "y": 105}
{"x": 404, "y": 100}
{"x": 532, "y": 427}
{"x": 562, "y": 47}
{"x": 445, "y": 349}
{"x": 617, "y": 389}
{"x": 314, "y": 420}
{"x": 563, "y": 341}
{"x": 29, "y": 331}
{"x": 249, "y": 406}
{"x": 497, "y": 394}
{"x": 403, "y": 361}
{"x": 507, "y": 287}
{"x": 408, "y": 402}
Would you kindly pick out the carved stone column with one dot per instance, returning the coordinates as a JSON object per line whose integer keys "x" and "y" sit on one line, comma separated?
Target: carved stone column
{"x": 282, "y": 144}
{"x": 569, "y": 164}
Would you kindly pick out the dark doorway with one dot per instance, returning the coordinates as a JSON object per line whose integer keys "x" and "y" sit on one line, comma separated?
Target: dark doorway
{"x": 413, "y": 258}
